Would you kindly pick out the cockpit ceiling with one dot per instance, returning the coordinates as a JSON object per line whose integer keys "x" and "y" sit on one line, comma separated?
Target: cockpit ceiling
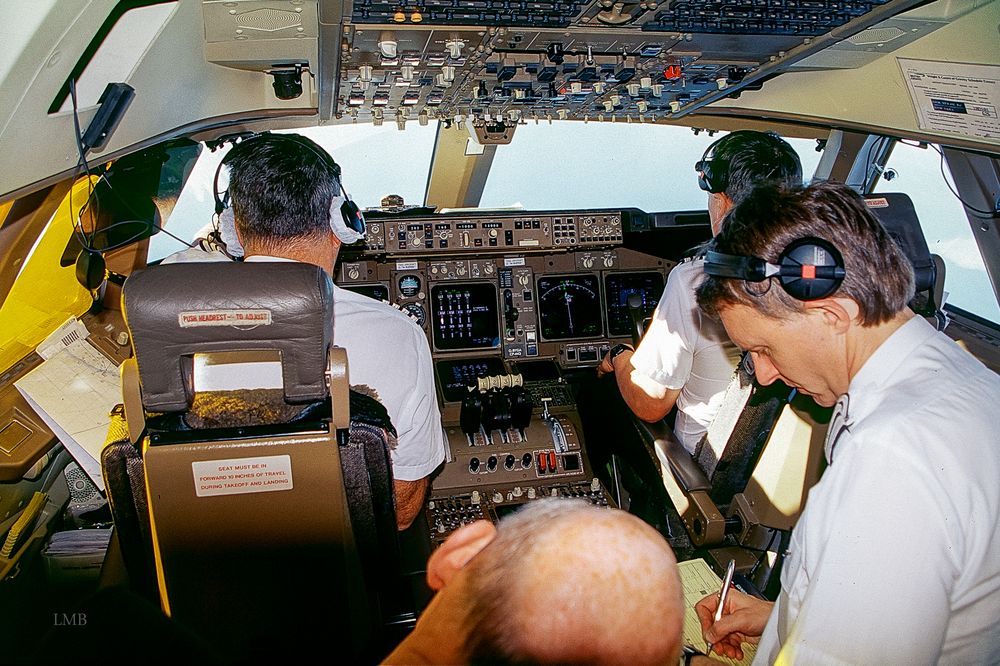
{"x": 486, "y": 64}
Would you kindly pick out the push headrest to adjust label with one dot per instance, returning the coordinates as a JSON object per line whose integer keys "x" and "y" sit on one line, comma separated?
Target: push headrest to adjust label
{"x": 224, "y": 318}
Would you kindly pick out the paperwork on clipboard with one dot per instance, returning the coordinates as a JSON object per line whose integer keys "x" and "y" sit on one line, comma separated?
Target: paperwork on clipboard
{"x": 73, "y": 391}
{"x": 698, "y": 581}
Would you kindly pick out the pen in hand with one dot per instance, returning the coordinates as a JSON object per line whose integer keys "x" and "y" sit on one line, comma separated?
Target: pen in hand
{"x": 723, "y": 593}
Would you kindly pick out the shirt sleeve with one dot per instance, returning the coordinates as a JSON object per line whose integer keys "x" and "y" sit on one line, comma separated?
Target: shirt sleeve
{"x": 879, "y": 591}
{"x": 666, "y": 351}
{"x": 420, "y": 437}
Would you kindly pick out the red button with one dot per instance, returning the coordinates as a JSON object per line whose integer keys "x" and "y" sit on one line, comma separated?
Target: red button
{"x": 542, "y": 461}
{"x": 552, "y": 460}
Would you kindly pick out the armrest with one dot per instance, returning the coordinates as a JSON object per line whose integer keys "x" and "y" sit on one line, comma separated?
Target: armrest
{"x": 672, "y": 454}
{"x": 704, "y": 522}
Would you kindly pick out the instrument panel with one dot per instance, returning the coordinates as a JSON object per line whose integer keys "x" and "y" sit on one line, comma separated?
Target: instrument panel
{"x": 498, "y": 231}
{"x": 567, "y": 306}
{"x": 509, "y": 302}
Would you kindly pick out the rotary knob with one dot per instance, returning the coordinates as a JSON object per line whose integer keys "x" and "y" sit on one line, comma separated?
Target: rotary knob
{"x": 353, "y": 273}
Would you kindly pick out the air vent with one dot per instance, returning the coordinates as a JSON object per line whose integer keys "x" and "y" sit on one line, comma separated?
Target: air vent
{"x": 269, "y": 20}
{"x": 876, "y": 36}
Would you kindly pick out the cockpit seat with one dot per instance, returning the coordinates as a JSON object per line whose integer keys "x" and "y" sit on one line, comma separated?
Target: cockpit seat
{"x": 264, "y": 514}
{"x": 896, "y": 213}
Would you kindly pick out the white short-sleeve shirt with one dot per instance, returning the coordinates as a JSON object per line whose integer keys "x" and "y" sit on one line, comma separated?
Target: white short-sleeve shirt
{"x": 896, "y": 558}
{"x": 687, "y": 350}
{"x": 387, "y": 351}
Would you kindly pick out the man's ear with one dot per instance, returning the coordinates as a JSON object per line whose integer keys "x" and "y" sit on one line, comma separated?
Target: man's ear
{"x": 839, "y": 313}
{"x": 464, "y": 544}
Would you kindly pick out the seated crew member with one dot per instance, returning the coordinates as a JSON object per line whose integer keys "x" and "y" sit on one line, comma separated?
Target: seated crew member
{"x": 561, "y": 581}
{"x": 685, "y": 358}
{"x": 286, "y": 197}
{"x": 896, "y": 557}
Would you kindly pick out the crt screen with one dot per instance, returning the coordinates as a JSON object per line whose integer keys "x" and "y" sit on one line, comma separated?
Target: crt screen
{"x": 379, "y": 292}
{"x": 618, "y": 287}
{"x": 570, "y": 306}
{"x": 465, "y": 316}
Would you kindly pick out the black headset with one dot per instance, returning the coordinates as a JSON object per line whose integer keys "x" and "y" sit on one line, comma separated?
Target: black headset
{"x": 353, "y": 218}
{"x": 713, "y": 173}
{"x": 808, "y": 269}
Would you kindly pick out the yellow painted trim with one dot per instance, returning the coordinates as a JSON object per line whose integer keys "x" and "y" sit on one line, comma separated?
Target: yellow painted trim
{"x": 45, "y": 293}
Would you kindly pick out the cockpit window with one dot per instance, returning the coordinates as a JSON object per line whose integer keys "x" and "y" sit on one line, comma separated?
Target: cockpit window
{"x": 376, "y": 161}
{"x": 917, "y": 171}
{"x": 580, "y": 165}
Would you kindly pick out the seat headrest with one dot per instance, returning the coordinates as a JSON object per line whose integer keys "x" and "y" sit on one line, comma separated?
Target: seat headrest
{"x": 179, "y": 310}
{"x": 896, "y": 213}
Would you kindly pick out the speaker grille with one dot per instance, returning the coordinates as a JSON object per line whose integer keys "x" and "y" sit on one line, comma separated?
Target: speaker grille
{"x": 269, "y": 20}
{"x": 876, "y": 36}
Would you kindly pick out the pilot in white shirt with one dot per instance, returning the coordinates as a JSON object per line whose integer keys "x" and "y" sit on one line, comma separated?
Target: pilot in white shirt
{"x": 896, "y": 557}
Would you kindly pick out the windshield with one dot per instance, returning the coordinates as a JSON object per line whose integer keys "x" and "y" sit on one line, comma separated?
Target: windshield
{"x": 562, "y": 165}
{"x": 598, "y": 165}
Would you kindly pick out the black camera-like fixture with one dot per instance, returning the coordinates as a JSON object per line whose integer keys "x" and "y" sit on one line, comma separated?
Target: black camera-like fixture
{"x": 287, "y": 80}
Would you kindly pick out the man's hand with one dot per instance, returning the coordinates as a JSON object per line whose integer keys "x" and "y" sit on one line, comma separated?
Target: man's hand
{"x": 744, "y": 618}
{"x": 606, "y": 366}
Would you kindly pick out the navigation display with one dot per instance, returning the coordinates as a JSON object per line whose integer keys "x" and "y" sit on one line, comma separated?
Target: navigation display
{"x": 570, "y": 306}
{"x": 617, "y": 289}
{"x": 464, "y": 316}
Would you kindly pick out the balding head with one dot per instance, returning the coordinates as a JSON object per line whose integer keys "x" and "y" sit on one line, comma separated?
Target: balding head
{"x": 575, "y": 583}
{"x": 560, "y": 581}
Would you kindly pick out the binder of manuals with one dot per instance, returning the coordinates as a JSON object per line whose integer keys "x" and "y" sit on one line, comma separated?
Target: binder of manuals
{"x": 699, "y": 581}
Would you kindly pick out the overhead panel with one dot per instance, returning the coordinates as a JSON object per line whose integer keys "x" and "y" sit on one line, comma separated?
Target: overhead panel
{"x": 495, "y": 63}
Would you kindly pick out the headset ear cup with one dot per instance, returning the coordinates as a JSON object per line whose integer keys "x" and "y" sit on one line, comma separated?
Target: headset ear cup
{"x": 703, "y": 179}
{"x": 339, "y": 221}
{"x": 810, "y": 269}
{"x": 227, "y": 233}
{"x": 352, "y": 216}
